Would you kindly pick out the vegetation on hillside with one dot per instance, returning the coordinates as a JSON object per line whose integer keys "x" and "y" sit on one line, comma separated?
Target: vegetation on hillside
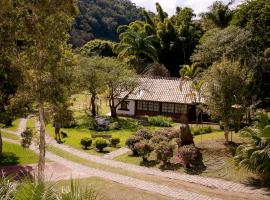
{"x": 99, "y": 19}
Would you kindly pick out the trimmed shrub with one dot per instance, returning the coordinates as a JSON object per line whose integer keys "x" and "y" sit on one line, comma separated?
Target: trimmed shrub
{"x": 145, "y": 134}
{"x": 131, "y": 141}
{"x": 101, "y": 144}
{"x": 164, "y": 151}
{"x": 115, "y": 141}
{"x": 159, "y": 121}
{"x": 144, "y": 148}
{"x": 86, "y": 142}
{"x": 27, "y": 137}
{"x": 188, "y": 155}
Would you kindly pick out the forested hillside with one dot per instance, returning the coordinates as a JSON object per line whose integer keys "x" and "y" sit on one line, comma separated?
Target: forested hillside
{"x": 100, "y": 18}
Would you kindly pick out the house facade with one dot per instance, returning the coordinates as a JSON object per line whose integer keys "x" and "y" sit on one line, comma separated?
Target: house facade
{"x": 161, "y": 96}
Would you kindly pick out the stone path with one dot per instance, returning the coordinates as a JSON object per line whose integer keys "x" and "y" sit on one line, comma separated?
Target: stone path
{"x": 82, "y": 171}
{"x": 204, "y": 181}
{"x": 116, "y": 153}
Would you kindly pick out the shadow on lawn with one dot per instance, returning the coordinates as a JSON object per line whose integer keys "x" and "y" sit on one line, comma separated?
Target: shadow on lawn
{"x": 17, "y": 172}
{"x": 8, "y": 158}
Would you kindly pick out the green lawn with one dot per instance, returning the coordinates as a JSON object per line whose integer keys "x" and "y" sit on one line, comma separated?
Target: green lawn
{"x": 31, "y": 123}
{"x": 9, "y": 135}
{"x": 110, "y": 190}
{"x": 14, "y": 154}
{"x": 217, "y": 157}
{"x": 76, "y": 134}
{"x": 14, "y": 126}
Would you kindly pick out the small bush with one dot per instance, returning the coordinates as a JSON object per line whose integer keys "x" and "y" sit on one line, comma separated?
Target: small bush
{"x": 144, "y": 148}
{"x": 27, "y": 137}
{"x": 187, "y": 156}
{"x": 160, "y": 121}
{"x": 86, "y": 142}
{"x": 115, "y": 141}
{"x": 131, "y": 141}
{"x": 101, "y": 144}
{"x": 144, "y": 133}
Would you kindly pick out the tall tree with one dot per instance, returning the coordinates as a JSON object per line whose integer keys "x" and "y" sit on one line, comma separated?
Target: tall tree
{"x": 226, "y": 82}
{"x": 137, "y": 43}
{"x": 47, "y": 56}
{"x": 219, "y": 14}
{"x": 120, "y": 81}
{"x": 254, "y": 15}
{"x": 10, "y": 72}
{"x": 91, "y": 79}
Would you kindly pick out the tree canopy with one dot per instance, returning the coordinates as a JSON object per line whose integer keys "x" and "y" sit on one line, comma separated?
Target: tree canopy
{"x": 99, "y": 19}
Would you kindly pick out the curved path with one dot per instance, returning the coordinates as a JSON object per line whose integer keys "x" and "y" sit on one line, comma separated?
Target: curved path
{"x": 140, "y": 184}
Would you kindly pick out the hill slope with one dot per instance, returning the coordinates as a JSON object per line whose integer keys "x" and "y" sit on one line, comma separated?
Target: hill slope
{"x": 100, "y": 19}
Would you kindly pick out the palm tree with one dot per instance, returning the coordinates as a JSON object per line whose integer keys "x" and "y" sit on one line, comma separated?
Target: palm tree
{"x": 136, "y": 43}
{"x": 255, "y": 156}
{"x": 189, "y": 72}
{"x": 220, "y": 15}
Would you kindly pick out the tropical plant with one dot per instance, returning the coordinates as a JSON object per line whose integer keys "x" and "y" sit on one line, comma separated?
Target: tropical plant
{"x": 136, "y": 43}
{"x": 255, "y": 156}
{"x": 76, "y": 192}
{"x": 220, "y": 14}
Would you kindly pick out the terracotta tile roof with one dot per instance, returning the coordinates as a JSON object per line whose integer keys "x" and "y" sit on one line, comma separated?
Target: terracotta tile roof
{"x": 163, "y": 89}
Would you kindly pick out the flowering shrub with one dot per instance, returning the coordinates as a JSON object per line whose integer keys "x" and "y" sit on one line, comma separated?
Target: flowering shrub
{"x": 164, "y": 151}
{"x": 145, "y": 134}
{"x": 187, "y": 155}
{"x": 131, "y": 141}
{"x": 144, "y": 148}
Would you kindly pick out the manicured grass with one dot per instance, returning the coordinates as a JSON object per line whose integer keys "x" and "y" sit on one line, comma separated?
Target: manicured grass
{"x": 81, "y": 103}
{"x": 110, "y": 190}
{"x": 76, "y": 134}
{"x": 31, "y": 123}
{"x": 14, "y": 126}
{"x": 14, "y": 154}
{"x": 9, "y": 135}
{"x": 217, "y": 157}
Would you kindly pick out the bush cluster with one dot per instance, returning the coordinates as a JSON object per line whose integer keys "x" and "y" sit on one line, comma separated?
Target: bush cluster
{"x": 27, "y": 137}
{"x": 164, "y": 146}
{"x": 100, "y": 143}
{"x": 159, "y": 121}
{"x": 202, "y": 130}
{"x": 86, "y": 142}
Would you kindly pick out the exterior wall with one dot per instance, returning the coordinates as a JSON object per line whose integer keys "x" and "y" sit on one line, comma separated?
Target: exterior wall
{"x": 128, "y": 112}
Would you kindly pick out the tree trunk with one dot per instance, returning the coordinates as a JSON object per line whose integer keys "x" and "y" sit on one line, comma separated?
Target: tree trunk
{"x": 93, "y": 105}
{"x": 1, "y": 143}
{"x": 42, "y": 143}
{"x": 113, "y": 109}
{"x": 226, "y": 131}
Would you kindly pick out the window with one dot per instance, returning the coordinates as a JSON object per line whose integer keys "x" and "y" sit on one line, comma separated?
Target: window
{"x": 148, "y": 106}
{"x": 167, "y": 107}
{"x": 153, "y": 106}
{"x": 180, "y": 108}
{"x": 124, "y": 105}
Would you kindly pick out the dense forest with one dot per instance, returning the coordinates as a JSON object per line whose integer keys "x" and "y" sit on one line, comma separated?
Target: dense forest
{"x": 100, "y": 19}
